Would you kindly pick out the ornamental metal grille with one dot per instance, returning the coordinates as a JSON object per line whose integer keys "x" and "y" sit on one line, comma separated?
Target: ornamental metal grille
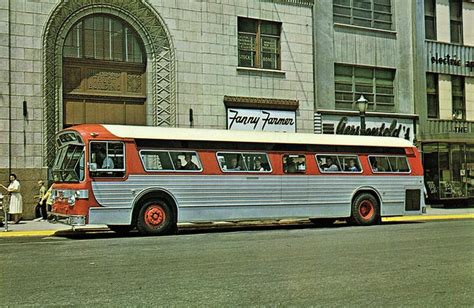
{"x": 145, "y": 20}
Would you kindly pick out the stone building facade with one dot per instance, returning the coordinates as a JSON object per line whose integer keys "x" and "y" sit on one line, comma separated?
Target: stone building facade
{"x": 447, "y": 112}
{"x": 147, "y": 62}
{"x": 370, "y": 48}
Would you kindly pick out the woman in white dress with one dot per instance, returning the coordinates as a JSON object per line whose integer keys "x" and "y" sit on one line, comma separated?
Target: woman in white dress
{"x": 16, "y": 203}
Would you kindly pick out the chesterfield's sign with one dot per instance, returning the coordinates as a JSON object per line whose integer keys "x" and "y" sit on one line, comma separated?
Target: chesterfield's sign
{"x": 375, "y": 126}
{"x": 261, "y": 120}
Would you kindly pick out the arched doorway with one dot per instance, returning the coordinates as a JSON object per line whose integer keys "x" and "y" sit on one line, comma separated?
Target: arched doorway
{"x": 159, "y": 74}
{"x": 104, "y": 78}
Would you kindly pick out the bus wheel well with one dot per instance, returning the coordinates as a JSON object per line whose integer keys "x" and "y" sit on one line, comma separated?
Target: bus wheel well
{"x": 376, "y": 198}
{"x": 155, "y": 195}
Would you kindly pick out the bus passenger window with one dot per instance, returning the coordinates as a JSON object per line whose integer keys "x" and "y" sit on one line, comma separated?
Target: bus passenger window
{"x": 350, "y": 163}
{"x": 294, "y": 163}
{"x": 248, "y": 162}
{"x": 107, "y": 158}
{"x": 328, "y": 163}
{"x": 185, "y": 161}
{"x": 389, "y": 164}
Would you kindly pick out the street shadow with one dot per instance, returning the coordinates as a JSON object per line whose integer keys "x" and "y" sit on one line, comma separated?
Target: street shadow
{"x": 214, "y": 228}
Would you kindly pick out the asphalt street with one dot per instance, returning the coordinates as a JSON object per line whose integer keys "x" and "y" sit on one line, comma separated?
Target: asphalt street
{"x": 393, "y": 264}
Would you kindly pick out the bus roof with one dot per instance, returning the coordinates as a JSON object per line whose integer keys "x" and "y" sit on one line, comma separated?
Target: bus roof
{"x": 221, "y": 135}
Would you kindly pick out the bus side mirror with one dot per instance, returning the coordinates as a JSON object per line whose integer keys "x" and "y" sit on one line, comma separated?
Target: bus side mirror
{"x": 92, "y": 166}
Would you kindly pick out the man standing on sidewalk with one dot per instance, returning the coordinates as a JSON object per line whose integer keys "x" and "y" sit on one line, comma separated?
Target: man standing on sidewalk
{"x": 40, "y": 209}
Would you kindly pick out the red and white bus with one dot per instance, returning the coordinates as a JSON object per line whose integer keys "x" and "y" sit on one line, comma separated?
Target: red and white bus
{"x": 152, "y": 178}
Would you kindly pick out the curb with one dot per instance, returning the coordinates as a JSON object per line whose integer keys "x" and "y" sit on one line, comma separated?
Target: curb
{"x": 32, "y": 233}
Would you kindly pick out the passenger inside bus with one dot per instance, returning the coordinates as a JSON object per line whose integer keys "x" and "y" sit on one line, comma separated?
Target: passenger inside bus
{"x": 105, "y": 161}
{"x": 258, "y": 165}
{"x": 178, "y": 164}
{"x": 234, "y": 164}
{"x": 329, "y": 165}
{"x": 190, "y": 165}
{"x": 352, "y": 166}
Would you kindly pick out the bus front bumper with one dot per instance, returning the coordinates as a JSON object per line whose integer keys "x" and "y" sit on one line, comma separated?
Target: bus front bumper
{"x": 70, "y": 220}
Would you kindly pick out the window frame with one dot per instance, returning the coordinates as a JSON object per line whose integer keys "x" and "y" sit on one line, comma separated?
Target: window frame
{"x": 390, "y": 172}
{"x": 171, "y": 160}
{"x": 100, "y": 172}
{"x": 341, "y": 170}
{"x": 459, "y": 94}
{"x": 258, "y": 43}
{"x": 431, "y": 15}
{"x": 351, "y": 7}
{"x": 434, "y": 93}
{"x": 456, "y": 19}
{"x": 375, "y": 84}
{"x": 245, "y": 171}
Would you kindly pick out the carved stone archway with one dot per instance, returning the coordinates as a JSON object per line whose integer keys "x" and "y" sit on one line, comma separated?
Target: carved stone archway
{"x": 161, "y": 87}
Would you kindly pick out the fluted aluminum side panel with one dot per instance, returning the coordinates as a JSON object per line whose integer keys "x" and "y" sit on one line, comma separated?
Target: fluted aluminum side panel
{"x": 208, "y": 198}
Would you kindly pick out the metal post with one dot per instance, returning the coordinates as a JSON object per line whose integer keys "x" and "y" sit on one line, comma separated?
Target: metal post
{"x": 362, "y": 123}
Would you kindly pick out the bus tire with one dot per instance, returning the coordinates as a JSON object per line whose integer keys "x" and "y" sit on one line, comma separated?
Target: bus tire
{"x": 155, "y": 218}
{"x": 120, "y": 229}
{"x": 365, "y": 210}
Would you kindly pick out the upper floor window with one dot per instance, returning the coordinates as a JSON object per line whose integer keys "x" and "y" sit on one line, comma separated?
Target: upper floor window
{"x": 102, "y": 37}
{"x": 430, "y": 19}
{"x": 259, "y": 43}
{"x": 455, "y": 16}
{"x": 459, "y": 102}
{"x": 376, "y": 84}
{"x": 364, "y": 13}
{"x": 432, "y": 95}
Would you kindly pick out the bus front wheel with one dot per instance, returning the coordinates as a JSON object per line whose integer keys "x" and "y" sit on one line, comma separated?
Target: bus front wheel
{"x": 155, "y": 218}
{"x": 365, "y": 210}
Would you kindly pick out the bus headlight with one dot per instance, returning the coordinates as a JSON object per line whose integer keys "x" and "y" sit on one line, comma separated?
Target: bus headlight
{"x": 71, "y": 200}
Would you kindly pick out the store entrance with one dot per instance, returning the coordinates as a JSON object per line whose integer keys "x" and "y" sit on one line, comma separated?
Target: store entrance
{"x": 449, "y": 172}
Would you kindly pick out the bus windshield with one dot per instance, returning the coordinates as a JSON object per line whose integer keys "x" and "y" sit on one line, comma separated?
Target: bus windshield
{"x": 69, "y": 164}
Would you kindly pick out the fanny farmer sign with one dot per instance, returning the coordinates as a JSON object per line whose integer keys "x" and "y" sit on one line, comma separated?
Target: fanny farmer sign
{"x": 261, "y": 120}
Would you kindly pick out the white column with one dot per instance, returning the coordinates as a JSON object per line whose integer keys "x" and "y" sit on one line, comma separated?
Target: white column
{"x": 443, "y": 33}
{"x": 469, "y": 92}
{"x": 468, "y": 23}
{"x": 445, "y": 97}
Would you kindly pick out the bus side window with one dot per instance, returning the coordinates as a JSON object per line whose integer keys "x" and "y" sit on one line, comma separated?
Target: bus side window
{"x": 107, "y": 158}
{"x": 328, "y": 163}
{"x": 294, "y": 163}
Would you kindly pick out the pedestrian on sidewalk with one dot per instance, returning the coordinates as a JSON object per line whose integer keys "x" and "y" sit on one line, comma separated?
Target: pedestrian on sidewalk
{"x": 47, "y": 199}
{"x": 16, "y": 202}
{"x": 40, "y": 209}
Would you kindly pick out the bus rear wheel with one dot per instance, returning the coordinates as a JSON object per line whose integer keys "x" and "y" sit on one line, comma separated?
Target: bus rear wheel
{"x": 365, "y": 210}
{"x": 155, "y": 218}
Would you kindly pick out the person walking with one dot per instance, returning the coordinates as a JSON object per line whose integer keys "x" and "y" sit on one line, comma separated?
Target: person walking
{"x": 40, "y": 209}
{"x": 47, "y": 199}
{"x": 16, "y": 203}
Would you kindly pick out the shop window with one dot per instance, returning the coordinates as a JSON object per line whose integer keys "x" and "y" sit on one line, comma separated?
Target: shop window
{"x": 259, "y": 43}
{"x": 246, "y": 162}
{"x": 459, "y": 103}
{"x": 430, "y": 19}
{"x": 170, "y": 161}
{"x": 376, "y": 84}
{"x": 392, "y": 164}
{"x": 455, "y": 16}
{"x": 338, "y": 163}
{"x": 432, "y": 95}
{"x": 365, "y": 13}
{"x": 107, "y": 158}
{"x": 293, "y": 163}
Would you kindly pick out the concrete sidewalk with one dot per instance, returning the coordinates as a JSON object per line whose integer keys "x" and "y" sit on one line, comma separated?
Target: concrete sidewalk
{"x": 44, "y": 228}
